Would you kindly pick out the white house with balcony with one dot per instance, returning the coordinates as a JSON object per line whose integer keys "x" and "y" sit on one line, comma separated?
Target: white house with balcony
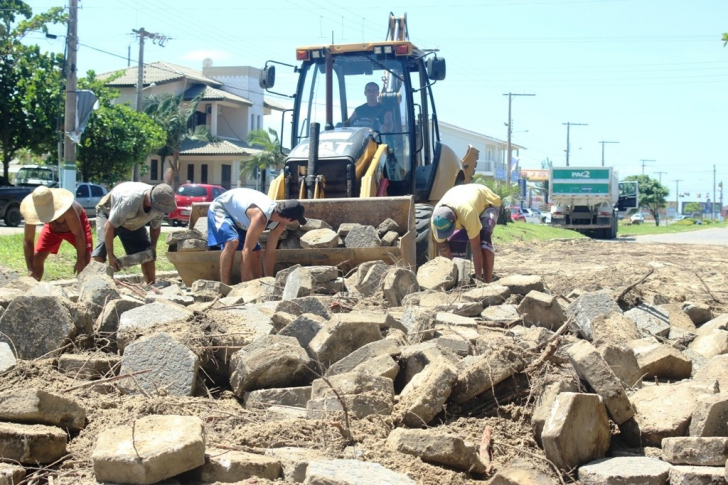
{"x": 232, "y": 105}
{"x": 493, "y": 152}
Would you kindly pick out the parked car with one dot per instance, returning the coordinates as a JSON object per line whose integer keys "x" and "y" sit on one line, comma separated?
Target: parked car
{"x": 517, "y": 214}
{"x": 89, "y": 195}
{"x": 637, "y": 218}
{"x": 186, "y": 195}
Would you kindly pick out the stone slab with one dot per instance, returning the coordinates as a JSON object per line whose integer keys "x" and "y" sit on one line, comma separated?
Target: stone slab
{"x": 31, "y": 444}
{"x": 624, "y": 470}
{"x": 353, "y": 472}
{"x": 35, "y": 406}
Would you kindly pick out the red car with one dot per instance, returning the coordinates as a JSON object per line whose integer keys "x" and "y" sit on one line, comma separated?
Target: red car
{"x": 187, "y": 194}
{"x": 517, "y": 214}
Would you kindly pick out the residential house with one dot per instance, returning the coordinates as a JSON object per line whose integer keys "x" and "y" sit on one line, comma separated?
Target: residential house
{"x": 232, "y": 104}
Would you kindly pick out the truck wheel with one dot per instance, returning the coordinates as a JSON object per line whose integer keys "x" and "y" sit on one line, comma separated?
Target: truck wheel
{"x": 13, "y": 218}
{"x": 424, "y": 244}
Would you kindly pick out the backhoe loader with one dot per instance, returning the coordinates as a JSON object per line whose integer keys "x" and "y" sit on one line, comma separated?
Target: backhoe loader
{"x": 347, "y": 168}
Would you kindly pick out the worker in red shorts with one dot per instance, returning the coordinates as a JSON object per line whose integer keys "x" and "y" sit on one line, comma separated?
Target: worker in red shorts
{"x": 63, "y": 219}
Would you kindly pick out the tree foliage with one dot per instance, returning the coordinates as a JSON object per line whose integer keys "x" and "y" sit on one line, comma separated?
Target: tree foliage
{"x": 116, "y": 137}
{"x": 507, "y": 194}
{"x": 653, "y": 195}
{"x": 693, "y": 207}
{"x": 271, "y": 157}
{"x": 30, "y": 82}
{"x": 173, "y": 115}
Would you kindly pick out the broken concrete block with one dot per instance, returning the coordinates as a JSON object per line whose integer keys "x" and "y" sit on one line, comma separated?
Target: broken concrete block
{"x": 483, "y": 372}
{"x": 523, "y": 284}
{"x": 382, "y": 366}
{"x": 36, "y": 326}
{"x": 88, "y": 366}
{"x": 710, "y": 417}
{"x": 314, "y": 224}
{"x": 174, "y": 238}
{"x": 623, "y": 363}
{"x": 207, "y": 290}
{"x": 362, "y": 237}
{"x": 136, "y": 259}
{"x": 228, "y": 466}
{"x": 108, "y": 321}
{"x": 390, "y": 239}
{"x": 718, "y": 323}
{"x": 398, "y": 283}
{"x": 426, "y": 394}
{"x": 624, "y": 469}
{"x": 696, "y": 475}
{"x": 152, "y": 449}
{"x": 699, "y": 313}
{"x": 294, "y": 461}
{"x": 342, "y": 335}
{"x": 270, "y": 361}
{"x": 93, "y": 270}
{"x": 99, "y": 290}
{"x": 256, "y": 291}
{"x": 502, "y": 315}
{"x": 710, "y": 344}
{"x": 443, "y": 302}
{"x": 285, "y": 396}
{"x": 591, "y": 367}
{"x": 490, "y": 294}
{"x": 587, "y": 307}
{"x": 312, "y": 304}
{"x": 172, "y": 367}
{"x": 716, "y": 369}
{"x": 363, "y": 394}
{"x": 545, "y": 402}
{"x": 466, "y": 271}
{"x": 35, "y": 406}
{"x": 414, "y": 358}
{"x": 541, "y": 310}
{"x": 303, "y": 328}
{"x": 650, "y": 320}
{"x": 520, "y": 472}
{"x": 11, "y": 474}
{"x": 31, "y": 444}
{"x": 577, "y": 430}
{"x": 388, "y": 225}
{"x": 191, "y": 245}
{"x": 660, "y": 360}
{"x": 615, "y": 328}
{"x": 691, "y": 450}
{"x": 7, "y": 358}
{"x": 353, "y": 472}
{"x": 437, "y": 274}
{"x": 363, "y": 354}
{"x": 146, "y": 317}
{"x": 305, "y": 281}
{"x": 368, "y": 277}
{"x": 438, "y": 448}
{"x": 319, "y": 239}
{"x": 48, "y": 289}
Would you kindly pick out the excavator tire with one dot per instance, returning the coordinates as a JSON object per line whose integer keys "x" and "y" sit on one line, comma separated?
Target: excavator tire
{"x": 424, "y": 244}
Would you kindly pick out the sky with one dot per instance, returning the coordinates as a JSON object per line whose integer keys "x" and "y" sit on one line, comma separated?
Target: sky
{"x": 651, "y": 75}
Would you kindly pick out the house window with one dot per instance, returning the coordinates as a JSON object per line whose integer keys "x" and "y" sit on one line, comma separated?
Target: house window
{"x": 260, "y": 125}
{"x": 154, "y": 172}
{"x": 191, "y": 173}
{"x": 226, "y": 176}
{"x": 203, "y": 175}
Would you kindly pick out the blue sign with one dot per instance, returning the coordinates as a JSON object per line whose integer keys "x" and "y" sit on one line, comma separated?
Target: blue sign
{"x": 522, "y": 185}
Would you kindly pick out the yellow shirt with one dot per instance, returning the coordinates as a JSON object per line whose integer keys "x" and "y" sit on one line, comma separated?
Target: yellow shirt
{"x": 467, "y": 202}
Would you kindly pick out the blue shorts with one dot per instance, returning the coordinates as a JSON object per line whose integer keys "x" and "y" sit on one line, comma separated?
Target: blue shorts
{"x": 227, "y": 231}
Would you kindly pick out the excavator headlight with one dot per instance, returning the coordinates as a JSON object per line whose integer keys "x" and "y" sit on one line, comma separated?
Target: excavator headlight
{"x": 302, "y": 55}
{"x": 387, "y": 49}
{"x": 316, "y": 54}
{"x": 378, "y": 50}
{"x": 401, "y": 49}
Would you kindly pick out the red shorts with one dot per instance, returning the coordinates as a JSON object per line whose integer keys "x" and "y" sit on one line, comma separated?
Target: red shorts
{"x": 49, "y": 241}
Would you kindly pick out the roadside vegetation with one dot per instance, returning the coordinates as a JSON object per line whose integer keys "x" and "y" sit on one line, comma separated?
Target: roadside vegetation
{"x": 679, "y": 226}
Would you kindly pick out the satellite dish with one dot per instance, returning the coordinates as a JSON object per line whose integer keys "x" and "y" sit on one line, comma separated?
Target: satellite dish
{"x": 207, "y": 62}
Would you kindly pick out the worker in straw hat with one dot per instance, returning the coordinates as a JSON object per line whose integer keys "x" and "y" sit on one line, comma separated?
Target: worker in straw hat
{"x": 63, "y": 219}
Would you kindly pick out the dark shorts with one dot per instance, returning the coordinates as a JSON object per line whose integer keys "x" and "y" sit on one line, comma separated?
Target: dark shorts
{"x": 459, "y": 240}
{"x": 50, "y": 242}
{"x": 217, "y": 237}
{"x": 134, "y": 241}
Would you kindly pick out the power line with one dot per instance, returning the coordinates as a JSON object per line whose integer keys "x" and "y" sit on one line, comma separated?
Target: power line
{"x": 644, "y": 161}
{"x": 603, "y": 142}
{"x": 568, "y": 129}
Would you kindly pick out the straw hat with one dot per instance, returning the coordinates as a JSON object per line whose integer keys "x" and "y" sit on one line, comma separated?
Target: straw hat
{"x": 45, "y": 205}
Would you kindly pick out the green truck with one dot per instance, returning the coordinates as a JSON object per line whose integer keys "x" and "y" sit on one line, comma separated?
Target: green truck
{"x": 589, "y": 199}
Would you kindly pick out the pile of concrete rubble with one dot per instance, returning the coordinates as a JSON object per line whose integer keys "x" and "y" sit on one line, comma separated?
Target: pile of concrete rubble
{"x": 629, "y": 395}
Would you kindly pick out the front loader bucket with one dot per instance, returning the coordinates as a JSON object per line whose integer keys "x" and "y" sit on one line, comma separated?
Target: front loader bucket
{"x": 194, "y": 265}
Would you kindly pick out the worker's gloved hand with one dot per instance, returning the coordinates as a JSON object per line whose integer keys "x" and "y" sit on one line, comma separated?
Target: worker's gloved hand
{"x": 114, "y": 263}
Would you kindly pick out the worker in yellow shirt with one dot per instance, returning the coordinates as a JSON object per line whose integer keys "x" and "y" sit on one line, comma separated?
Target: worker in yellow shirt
{"x": 473, "y": 208}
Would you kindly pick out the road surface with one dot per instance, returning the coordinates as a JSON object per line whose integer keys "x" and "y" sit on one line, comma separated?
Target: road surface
{"x": 716, "y": 236}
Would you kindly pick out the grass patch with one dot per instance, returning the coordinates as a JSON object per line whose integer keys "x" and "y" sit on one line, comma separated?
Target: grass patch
{"x": 651, "y": 228}
{"x": 60, "y": 266}
{"x": 524, "y": 231}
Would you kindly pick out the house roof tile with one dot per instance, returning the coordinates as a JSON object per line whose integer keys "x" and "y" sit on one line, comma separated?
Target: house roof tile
{"x": 212, "y": 94}
{"x": 160, "y": 73}
{"x": 222, "y": 147}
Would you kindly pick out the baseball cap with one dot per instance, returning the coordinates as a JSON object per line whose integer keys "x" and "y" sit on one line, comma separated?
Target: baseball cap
{"x": 292, "y": 209}
{"x": 443, "y": 218}
{"x": 162, "y": 198}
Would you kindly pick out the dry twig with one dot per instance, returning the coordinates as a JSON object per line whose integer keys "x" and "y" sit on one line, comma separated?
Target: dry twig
{"x": 620, "y": 298}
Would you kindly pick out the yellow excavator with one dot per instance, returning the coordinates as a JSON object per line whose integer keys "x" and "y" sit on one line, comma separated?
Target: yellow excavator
{"x": 362, "y": 163}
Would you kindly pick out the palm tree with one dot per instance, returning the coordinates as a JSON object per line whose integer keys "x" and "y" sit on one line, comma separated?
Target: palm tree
{"x": 174, "y": 117}
{"x": 271, "y": 157}
{"x": 507, "y": 195}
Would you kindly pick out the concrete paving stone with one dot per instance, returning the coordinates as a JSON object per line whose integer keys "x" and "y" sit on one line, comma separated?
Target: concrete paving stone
{"x": 419, "y": 323}
{"x": 152, "y": 449}
{"x": 353, "y": 472}
{"x": 426, "y": 394}
{"x": 388, "y": 225}
{"x": 436, "y": 447}
{"x": 36, "y": 326}
{"x": 7, "y": 295}
{"x": 382, "y": 366}
{"x": 32, "y": 444}
{"x": 502, "y": 315}
{"x": 699, "y": 313}
{"x": 270, "y": 361}
{"x": 523, "y": 284}
{"x": 542, "y": 310}
{"x": 7, "y": 358}
{"x": 483, "y": 372}
{"x": 48, "y": 289}
{"x": 623, "y": 363}
{"x": 519, "y": 472}
{"x": 437, "y": 274}
{"x": 587, "y": 307}
{"x": 390, "y": 239}
{"x": 398, "y": 283}
{"x": 545, "y": 402}
{"x": 294, "y": 461}
{"x": 660, "y": 360}
{"x": 624, "y": 470}
{"x": 710, "y": 344}
{"x": 99, "y": 290}
{"x": 11, "y": 474}
{"x": 313, "y": 304}
{"x": 614, "y": 328}
{"x": 286, "y": 396}
{"x": 529, "y": 337}
{"x": 689, "y": 450}
{"x": 88, "y": 366}
{"x": 368, "y": 277}
{"x": 650, "y": 320}
{"x": 716, "y": 369}
{"x": 710, "y": 417}
{"x": 576, "y": 431}
{"x": 174, "y": 238}
{"x": 361, "y": 236}
{"x": 108, "y": 321}
{"x": 192, "y": 245}
{"x": 455, "y": 344}
{"x": 362, "y": 394}
{"x": 35, "y": 406}
{"x": 255, "y": 291}
{"x": 342, "y": 335}
{"x": 228, "y": 466}
{"x": 718, "y": 323}
{"x": 696, "y": 475}
{"x": 363, "y": 354}
{"x": 488, "y": 295}
{"x": 466, "y": 271}
{"x": 323, "y": 238}
{"x": 303, "y": 328}
{"x": 93, "y": 270}
{"x": 146, "y": 317}
{"x": 172, "y": 367}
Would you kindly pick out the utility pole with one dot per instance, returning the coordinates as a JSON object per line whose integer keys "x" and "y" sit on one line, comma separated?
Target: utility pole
{"x": 603, "y": 142}
{"x": 712, "y": 205}
{"x": 644, "y": 161}
{"x": 568, "y": 129}
{"x": 68, "y": 175}
{"x": 677, "y": 206}
{"x": 509, "y": 150}
{"x": 156, "y": 38}
{"x": 659, "y": 175}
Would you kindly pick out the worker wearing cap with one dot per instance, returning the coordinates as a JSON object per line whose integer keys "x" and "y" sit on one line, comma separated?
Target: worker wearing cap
{"x": 63, "y": 219}
{"x": 473, "y": 208}
{"x": 124, "y": 212}
{"x": 235, "y": 221}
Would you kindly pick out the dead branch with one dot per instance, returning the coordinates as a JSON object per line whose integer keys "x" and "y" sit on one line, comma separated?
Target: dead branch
{"x": 109, "y": 379}
{"x": 706, "y": 288}
{"x": 620, "y": 298}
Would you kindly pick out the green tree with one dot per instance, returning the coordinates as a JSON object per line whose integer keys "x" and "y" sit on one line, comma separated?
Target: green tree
{"x": 693, "y": 207}
{"x": 653, "y": 195}
{"x": 507, "y": 194}
{"x": 30, "y": 82}
{"x": 174, "y": 116}
{"x": 271, "y": 157}
{"x": 116, "y": 137}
